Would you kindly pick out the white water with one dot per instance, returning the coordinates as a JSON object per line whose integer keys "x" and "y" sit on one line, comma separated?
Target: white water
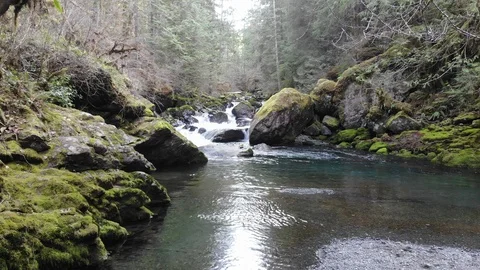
{"x": 205, "y": 139}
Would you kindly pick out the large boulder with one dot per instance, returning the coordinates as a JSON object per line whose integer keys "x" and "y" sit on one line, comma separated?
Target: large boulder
{"x": 75, "y": 140}
{"x": 282, "y": 118}
{"x": 162, "y": 145}
{"x": 402, "y": 122}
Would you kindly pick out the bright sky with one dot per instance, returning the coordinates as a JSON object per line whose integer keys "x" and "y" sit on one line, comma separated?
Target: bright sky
{"x": 240, "y": 10}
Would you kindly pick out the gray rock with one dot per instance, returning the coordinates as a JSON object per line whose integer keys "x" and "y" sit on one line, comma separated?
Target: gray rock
{"x": 247, "y": 153}
{"x": 231, "y": 135}
{"x": 218, "y": 117}
{"x": 313, "y": 130}
{"x": 243, "y": 110}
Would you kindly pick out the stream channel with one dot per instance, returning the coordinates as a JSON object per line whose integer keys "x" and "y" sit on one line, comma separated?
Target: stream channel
{"x": 310, "y": 208}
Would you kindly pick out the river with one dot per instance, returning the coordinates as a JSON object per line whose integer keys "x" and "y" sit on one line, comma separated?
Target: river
{"x": 311, "y": 208}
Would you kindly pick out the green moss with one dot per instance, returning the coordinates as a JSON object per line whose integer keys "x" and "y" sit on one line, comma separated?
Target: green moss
{"x": 363, "y": 145}
{"x": 466, "y": 118}
{"x": 476, "y": 124}
{"x": 428, "y": 135}
{"x": 460, "y": 158}
{"x": 362, "y": 134}
{"x": 347, "y": 135}
{"x": 324, "y": 85}
{"x": 49, "y": 218}
{"x": 382, "y": 151}
{"x": 112, "y": 233}
{"x": 286, "y": 99}
{"x": 377, "y": 146}
{"x": 345, "y": 145}
{"x": 405, "y": 153}
{"x": 471, "y": 131}
{"x": 331, "y": 122}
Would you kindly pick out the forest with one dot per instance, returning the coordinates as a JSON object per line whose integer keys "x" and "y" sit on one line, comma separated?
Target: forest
{"x": 354, "y": 106}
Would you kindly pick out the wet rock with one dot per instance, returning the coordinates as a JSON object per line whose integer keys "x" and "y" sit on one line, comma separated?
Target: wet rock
{"x": 401, "y": 122}
{"x": 282, "y": 118}
{"x": 218, "y": 117}
{"x": 231, "y": 135}
{"x": 162, "y": 145}
{"x": 243, "y": 110}
{"x": 308, "y": 141}
{"x": 202, "y": 130}
{"x": 247, "y": 153}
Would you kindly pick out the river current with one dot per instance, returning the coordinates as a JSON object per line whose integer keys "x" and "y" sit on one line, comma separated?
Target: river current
{"x": 310, "y": 208}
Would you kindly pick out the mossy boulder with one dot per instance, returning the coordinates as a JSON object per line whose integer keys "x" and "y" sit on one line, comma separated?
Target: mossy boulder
{"x": 382, "y": 151}
{"x": 55, "y": 219}
{"x": 282, "y": 118}
{"x": 469, "y": 158}
{"x": 377, "y": 146}
{"x": 347, "y": 135}
{"x": 363, "y": 145}
{"x": 331, "y": 122}
{"x": 323, "y": 97}
{"x": 401, "y": 122}
{"x": 162, "y": 145}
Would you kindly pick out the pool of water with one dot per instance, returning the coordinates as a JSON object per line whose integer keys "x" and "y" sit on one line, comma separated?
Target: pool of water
{"x": 287, "y": 208}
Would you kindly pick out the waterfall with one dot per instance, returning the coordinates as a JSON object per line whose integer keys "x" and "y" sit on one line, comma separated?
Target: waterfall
{"x": 204, "y": 132}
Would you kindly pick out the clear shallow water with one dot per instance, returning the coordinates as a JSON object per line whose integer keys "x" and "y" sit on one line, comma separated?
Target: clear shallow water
{"x": 280, "y": 209}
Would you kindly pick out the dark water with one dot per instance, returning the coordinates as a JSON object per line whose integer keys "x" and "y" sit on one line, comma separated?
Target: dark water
{"x": 277, "y": 210}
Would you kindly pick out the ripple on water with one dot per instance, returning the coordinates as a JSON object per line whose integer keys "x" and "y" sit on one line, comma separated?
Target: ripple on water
{"x": 307, "y": 191}
{"x": 386, "y": 254}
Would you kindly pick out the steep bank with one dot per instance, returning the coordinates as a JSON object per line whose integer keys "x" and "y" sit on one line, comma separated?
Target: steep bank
{"x": 73, "y": 166}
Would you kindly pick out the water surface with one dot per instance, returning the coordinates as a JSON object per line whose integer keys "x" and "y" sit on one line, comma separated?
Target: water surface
{"x": 280, "y": 209}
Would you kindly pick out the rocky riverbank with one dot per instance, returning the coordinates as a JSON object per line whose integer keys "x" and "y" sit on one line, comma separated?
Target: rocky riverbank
{"x": 76, "y": 147}
{"x": 371, "y": 107}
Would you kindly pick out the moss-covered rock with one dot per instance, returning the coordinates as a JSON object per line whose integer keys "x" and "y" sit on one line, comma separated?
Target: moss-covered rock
{"x": 401, "y": 122}
{"x": 377, "y": 146}
{"x": 56, "y": 219}
{"x": 469, "y": 158}
{"x": 331, "y": 122}
{"x": 363, "y": 145}
{"x": 282, "y": 118}
{"x": 347, "y": 135}
{"x": 382, "y": 151}
{"x": 162, "y": 145}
